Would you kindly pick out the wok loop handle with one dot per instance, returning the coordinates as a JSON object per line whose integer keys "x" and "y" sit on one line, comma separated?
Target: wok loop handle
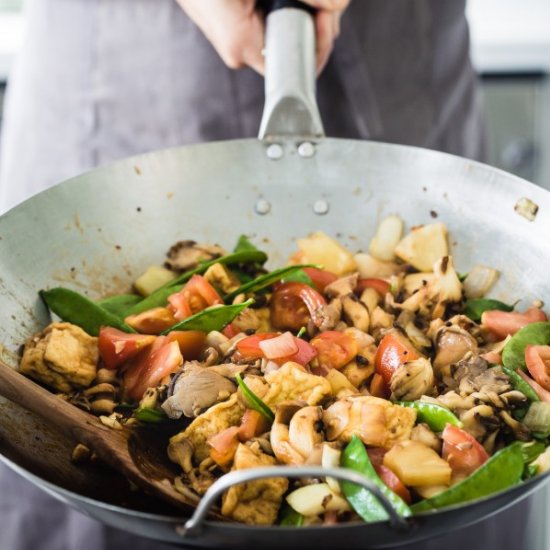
{"x": 290, "y": 105}
{"x": 194, "y": 525}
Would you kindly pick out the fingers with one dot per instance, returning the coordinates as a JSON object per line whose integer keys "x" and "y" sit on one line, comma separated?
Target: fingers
{"x": 253, "y": 44}
{"x": 328, "y": 5}
{"x": 327, "y": 30}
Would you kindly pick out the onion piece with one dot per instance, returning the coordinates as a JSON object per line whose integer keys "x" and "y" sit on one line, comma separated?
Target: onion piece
{"x": 280, "y": 346}
{"x": 331, "y": 459}
{"x": 387, "y": 236}
{"x": 313, "y": 500}
{"x": 479, "y": 281}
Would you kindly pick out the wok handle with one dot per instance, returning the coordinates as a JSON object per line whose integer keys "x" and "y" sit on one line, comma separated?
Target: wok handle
{"x": 194, "y": 525}
{"x": 290, "y": 108}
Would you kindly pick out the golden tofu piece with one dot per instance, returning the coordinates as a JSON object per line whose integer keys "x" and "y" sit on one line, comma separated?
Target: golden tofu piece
{"x": 375, "y": 421}
{"x": 293, "y": 383}
{"x": 256, "y": 502}
{"x": 62, "y": 356}
{"x": 211, "y": 422}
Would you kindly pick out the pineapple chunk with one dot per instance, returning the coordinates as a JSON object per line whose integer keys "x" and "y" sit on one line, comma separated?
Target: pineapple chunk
{"x": 415, "y": 281}
{"x": 321, "y": 249}
{"x": 339, "y": 384}
{"x": 423, "y": 246}
{"x": 154, "y": 277}
{"x": 416, "y": 464}
{"x": 430, "y": 490}
{"x": 369, "y": 266}
{"x": 387, "y": 237}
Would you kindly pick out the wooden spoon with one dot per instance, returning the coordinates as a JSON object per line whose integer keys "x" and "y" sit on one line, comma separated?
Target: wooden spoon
{"x": 121, "y": 449}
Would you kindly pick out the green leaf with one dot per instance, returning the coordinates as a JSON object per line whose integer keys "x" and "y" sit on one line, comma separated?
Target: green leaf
{"x": 74, "y": 308}
{"x": 519, "y": 384}
{"x": 513, "y": 354}
{"x": 264, "y": 281}
{"x": 476, "y": 307}
{"x": 503, "y": 470}
{"x": 244, "y": 245}
{"x": 118, "y": 305}
{"x": 462, "y": 277}
{"x": 299, "y": 276}
{"x": 150, "y": 416}
{"x": 436, "y": 416}
{"x": 211, "y": 318}
{"x": 289, "y": 517}
{"x": 253, "y": 400}
{"x": 301, "y": 332}
{"x": 160, "y": 296}
{"x": 355, "y": 458}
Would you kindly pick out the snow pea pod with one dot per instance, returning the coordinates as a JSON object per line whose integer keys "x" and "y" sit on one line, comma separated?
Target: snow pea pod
{"x": 160, "y": 296}
{"x": 355, "y": 457}
{"x": 254, "y": 401}
{"x": 436, "y": 416}
{"x": 266, "y": 280}
{"x": 518, "y": 383}
{"x": 150, "y": 416}
{"x": 513, "y": 354}
{"x": 79, "y": 310}
{"x": 503, "y": 470}
{"x": 118, "y": 305}
{"x": 212, "y": 318}
{"x": 476, "y": 307}
{"x": 290, "y": 518}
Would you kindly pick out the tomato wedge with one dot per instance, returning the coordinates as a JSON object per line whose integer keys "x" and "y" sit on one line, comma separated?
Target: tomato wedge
{"x": 248, "y": 349}
{"x": 393, "y": 482}
{"x": 224, "y": 445}
{"x": 293, "y": 304}
{"x": 191, "y": 342}
{"x": 196, "y": 295}
{"x": 334, "y": 349}
{"x": 380, "y": 285}
{"x": 503, "y": 323}
{"x": 394, "y": 350}
{"x": 117, "y": 347}
{"x": 537, "y": 359}
{"x": 163, "y": 358}
{"x": 152, "y": 321}
{"x": 320, "y": 277}
{"x": 462, "y": 451}
{"x": 252, "y": 425}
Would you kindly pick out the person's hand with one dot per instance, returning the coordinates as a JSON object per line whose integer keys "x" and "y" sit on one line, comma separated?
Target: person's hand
{"x": 236, "y": 29}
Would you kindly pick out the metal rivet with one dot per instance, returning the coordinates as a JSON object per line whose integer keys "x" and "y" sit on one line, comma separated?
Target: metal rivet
{"x": 274, "y": 151}
{"x": 320, "y": 207}
{"x": 262, "y": 207}
{"x": 306, "y": 149}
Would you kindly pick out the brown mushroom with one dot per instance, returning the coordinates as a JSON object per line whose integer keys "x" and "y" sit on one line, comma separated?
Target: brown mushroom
{"x": 412, "y": 380}
{"x": 185, "y": 255}
{"x": 452, "y": 344}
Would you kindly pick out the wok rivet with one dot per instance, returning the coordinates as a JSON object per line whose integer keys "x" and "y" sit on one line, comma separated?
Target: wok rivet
{"x": 306, "y": 149}
{"x": 320, "y": 207}
{"x": 262, "y": 207}
{"x": 274, "y": 151}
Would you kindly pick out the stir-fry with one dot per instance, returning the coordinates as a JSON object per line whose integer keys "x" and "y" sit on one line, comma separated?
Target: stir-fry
{"x": 390, "y": 363}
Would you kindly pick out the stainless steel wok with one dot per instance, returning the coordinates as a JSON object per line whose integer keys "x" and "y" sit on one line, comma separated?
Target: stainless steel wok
{"x": 98, "y": 231}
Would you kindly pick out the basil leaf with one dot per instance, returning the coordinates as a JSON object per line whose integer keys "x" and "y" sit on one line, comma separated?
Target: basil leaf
{"x": 253, "y": 400}
{"x": 264, "y": 281}
{"x": 299, "y": 276}
{"x": 211, "y": 318}
{"x": 513, "y": 354}
{"x": 355, "y": 457}
{"x": 244, "y": 245}
{"x": 150, "y": 416}
{"x": 504, "y": 469}
{"x": 74, "y": 308}
{"x": 118, "y": 305}
{"x": 160, "y": 296}
{"x": 476, "y": 307}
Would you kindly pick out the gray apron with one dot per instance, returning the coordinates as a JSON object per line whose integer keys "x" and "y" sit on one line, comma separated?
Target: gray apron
{"x": 102, "y": 79}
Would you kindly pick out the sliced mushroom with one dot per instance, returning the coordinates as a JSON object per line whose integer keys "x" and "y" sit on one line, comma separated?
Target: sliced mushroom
{"x": 220, "y": 277}
{"x": 452, "y": 344}
{"x": 412, "y": 380}
{"x": 195, "y": 390}
{"x": 306, "y": 430}
{"x": 521, "y": 431}
{"x": 280, "y": 434}
{"x": 421, "y": 432}
{"x": 355, "y": 312}
{"x": 342, "y": 287}
{"x": 186, "y": 255}
{"x": 180, "y": 451}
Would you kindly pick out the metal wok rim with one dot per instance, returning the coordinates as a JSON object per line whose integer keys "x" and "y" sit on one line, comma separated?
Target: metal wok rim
{"x": 522, "y": 185}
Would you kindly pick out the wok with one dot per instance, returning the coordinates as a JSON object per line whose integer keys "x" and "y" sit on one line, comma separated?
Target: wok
{"x": 98, "y": 231}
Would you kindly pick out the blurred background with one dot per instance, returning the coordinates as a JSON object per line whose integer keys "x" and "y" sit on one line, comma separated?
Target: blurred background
{"x": 510, "y": 49}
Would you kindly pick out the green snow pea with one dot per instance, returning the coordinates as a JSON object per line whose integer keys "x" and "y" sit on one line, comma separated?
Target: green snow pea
{"x": 150, "y": 416}
{"x": 211, "y": 318}
{"x": 532, "y": 450}
{"x": 518, "y": 383}
{"x": 79, "y": 310}
{"x": 289, "y": 517}
{"x": 266, "y": 280}
{"x": 254, "y": 401}
{"x": 436, "y": 416}
{"x": 476, "y": 307}
{"x": 118, "y": 305}
{"x": 503, "y": 470}
{"x": 513, "y": 354}
{"x": 160, "y": 296}
{"x": 355, "y": 457}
